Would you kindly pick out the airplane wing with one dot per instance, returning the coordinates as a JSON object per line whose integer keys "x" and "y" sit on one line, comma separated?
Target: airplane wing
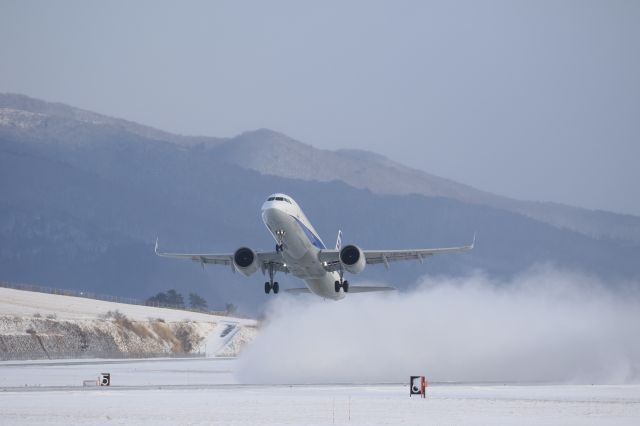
{"x": 264, "y": 258}
{"x": 372, "y": 257}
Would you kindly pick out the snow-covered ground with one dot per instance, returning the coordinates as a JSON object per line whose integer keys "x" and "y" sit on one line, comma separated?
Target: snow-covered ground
{"x": 207, "y": 391}
{"x": 200, "y": 391}
{"x": 225, "y": 391}
{"x": 40, "y": 326}
{"x": 147, "y": 372}
{"x": 27, "y": 303}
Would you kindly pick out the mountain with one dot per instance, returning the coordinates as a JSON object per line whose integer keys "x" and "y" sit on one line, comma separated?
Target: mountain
{"x": 276, "y": 154}
{"x": 83, "y": 197}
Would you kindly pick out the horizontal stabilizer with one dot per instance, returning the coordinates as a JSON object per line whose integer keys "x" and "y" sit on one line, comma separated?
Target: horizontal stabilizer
{"x": 297, "y": 290}
{"x": 352, "y": 289}
{"x": 368, "y": 289}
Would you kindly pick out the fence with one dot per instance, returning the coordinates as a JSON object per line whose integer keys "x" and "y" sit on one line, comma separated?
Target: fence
{"x": 24, "y": 356}
{"x": 105, "y": 297}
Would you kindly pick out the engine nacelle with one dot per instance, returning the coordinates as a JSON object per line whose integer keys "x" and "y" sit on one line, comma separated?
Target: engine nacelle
{"x": 245, "y": 261}
{"x": 352, "y": 259}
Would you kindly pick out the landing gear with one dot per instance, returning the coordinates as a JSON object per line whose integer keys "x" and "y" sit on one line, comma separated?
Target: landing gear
{"x": 344, "y": 285}
{"x": 268, "y": 287}
{"x": 271, "y": 285}
{"x": 280, "y": 240}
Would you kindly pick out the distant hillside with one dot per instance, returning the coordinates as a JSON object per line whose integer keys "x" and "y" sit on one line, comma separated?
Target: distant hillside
{"x": 83, "y": 197}
{"x": 273, "y": 153}
{"x": 276, "y": 154}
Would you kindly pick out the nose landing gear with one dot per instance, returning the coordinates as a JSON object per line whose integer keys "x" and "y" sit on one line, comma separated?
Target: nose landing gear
{"x": 280, "y": 240}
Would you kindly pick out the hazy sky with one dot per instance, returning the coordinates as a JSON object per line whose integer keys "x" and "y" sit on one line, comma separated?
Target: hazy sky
{"x": 535, "y": 100}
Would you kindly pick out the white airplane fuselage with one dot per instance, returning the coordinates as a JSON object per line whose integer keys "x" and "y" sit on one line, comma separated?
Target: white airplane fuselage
{"x": 300, "y": 245}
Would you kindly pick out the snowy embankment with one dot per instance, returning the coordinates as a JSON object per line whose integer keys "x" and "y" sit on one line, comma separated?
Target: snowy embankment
{"x": 41, "y": 326}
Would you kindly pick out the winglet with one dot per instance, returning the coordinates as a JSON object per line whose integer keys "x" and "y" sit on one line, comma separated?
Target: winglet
{"x": 339, "y": 240}
{"x": 156, "y": 247}
{"x": 473, "y": 243}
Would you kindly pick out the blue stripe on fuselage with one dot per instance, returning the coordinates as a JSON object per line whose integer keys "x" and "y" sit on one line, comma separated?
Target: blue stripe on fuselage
{"x": 313, "y": 238}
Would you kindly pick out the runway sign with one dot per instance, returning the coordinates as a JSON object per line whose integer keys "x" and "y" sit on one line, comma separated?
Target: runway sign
{"x": 418, "y": 386}
{"x": 105, "y": 379}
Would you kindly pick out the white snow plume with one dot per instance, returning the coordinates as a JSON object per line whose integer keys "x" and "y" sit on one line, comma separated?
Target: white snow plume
{"x": 543, "y": 326}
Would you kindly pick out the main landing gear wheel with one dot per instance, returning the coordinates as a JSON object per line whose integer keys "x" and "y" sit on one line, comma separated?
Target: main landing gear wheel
{"x": 268, "y": 287}
{"x": 271, "y": 285}
{"x": 344, "y": 285}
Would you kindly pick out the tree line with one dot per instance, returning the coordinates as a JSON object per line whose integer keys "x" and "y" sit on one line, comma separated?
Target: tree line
{"x": 174, "y": 298}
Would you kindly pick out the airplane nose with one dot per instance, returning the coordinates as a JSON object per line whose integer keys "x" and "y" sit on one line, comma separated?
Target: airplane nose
{"x": 267, "y": 214}
{"x": 271, "y": 215}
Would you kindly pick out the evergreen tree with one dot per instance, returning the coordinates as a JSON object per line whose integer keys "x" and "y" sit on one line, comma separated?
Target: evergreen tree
{"x": 196, "y": 301}
{"x": 174, "y": 298}
{"x": 158, "y": 299}
{"x": 231, "y": 308}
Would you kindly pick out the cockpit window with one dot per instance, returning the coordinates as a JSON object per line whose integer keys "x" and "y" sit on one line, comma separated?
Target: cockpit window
{"x": 279, "y": 199}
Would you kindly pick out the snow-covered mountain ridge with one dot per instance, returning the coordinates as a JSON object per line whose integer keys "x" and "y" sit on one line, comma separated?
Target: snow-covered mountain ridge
{"x": 273, "y": 153}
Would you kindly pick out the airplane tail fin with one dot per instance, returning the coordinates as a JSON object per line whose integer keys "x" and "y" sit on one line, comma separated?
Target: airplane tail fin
{"x": 339, "y": 240}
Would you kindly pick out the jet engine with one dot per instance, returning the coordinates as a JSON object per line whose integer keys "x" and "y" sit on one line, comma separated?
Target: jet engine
{"x": 352, "y": 259}
{"x": 245, "y": 261}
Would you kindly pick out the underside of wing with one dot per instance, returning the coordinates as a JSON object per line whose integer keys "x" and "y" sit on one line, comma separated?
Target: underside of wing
{"x": 386, "y": 256}
{"x": 212, "y": 258}
{"x": 264, "y": 259}
{"x": 331, "y": 258}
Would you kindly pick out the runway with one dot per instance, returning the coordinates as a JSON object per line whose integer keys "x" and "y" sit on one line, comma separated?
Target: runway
{"x": 200, "y": 391}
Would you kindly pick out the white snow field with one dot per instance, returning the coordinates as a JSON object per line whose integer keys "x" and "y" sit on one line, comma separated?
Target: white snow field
{"x": 204, "y": 392}
{"x": 292, "y": 348}
{"x": 28, "y": 303}
{"x": 40, "y": 326}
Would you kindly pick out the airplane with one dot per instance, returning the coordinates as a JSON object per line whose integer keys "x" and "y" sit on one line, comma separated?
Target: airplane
{"x": 300, "y": 251}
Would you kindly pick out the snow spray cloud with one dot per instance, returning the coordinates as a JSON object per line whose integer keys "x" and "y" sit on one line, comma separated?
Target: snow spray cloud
{"x": 543, "y": 326}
